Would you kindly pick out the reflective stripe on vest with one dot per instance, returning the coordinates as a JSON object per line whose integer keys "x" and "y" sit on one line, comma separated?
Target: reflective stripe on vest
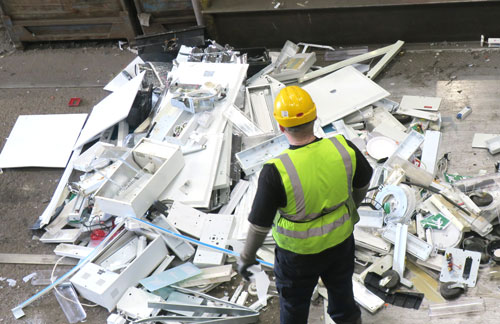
{"x": 298, "y": 192}
{"x": 316, "y": 231}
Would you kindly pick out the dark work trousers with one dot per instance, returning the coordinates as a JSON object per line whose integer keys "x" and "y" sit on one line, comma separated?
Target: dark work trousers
{"x": 297, "y": 275}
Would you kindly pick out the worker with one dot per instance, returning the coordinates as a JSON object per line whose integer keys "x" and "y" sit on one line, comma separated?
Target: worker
{"x": 315, "y": 186}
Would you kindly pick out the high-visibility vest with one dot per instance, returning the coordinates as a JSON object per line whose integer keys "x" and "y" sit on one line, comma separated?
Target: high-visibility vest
{"x": 320, "y": 212}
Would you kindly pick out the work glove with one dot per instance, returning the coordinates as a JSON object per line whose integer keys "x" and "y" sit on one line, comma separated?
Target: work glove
{"x": 243, "y": 269}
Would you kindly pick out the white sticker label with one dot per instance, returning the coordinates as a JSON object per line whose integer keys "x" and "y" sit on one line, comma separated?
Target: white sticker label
{"x": 284, "y": 113}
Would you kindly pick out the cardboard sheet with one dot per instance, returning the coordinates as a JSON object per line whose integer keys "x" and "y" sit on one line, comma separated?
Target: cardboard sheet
{"x": 343, "y": 92}
{"x": 42, "y": 141}
{"x": 110, "y": 110}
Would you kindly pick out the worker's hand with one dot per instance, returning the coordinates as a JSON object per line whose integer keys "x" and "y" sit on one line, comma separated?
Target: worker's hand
{"x": 243, "y": 269}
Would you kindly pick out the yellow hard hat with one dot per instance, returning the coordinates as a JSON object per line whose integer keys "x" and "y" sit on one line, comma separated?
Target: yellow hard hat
{"x": 293, "y": 106}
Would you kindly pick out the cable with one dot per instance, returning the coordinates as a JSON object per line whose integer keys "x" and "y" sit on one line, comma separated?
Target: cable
{"x": 431, "y": 190}
{"x": 438, "y": 192}
{"x": 52, "y": 279}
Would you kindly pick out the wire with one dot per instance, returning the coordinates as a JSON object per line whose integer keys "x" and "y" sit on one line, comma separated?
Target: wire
{"x": 52, "y": 279}
{"x": 438, "y": 192}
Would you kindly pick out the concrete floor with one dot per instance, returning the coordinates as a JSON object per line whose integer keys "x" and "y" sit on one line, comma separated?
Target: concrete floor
{"x": 461, "y": 74}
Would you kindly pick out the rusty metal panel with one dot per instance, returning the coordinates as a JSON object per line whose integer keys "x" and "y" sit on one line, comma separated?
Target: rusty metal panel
{"x": 53, "y": 9}
{"x": 49, "y": 20}
{"x": 165, "y": 16}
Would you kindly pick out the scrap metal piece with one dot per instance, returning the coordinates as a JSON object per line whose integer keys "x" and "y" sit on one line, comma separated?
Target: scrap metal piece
{"x": 407, "y": 148}
{"x": 181, "y": 248}
{"x": 104, "y": 287}
{"x": 370, "y": 218}
{"x": 217, "y": 229}
{"x": 369, "y": 241}
{"x": 202, "y": 309}
{"x": 134, "y": 303}
{"x": 18, "y": 310}
{"x": 379, "y": 267}
{"x": 236, "y": 195}
{"x": 208, "y": 276}
{"x": 389, "y": 52}
{"x": 182, "y": 272}
{"x": 430, "y": 151}
{"x": 247, "y": 319}
{"x": 245, "y": 125}
{"x": 415, "y": 246}
{"x": 366, "y": 298}
{"x": 194, "y": 101}
{"x": 260, "y": 105}
{"x": 252, "y": 159}
{"x": 398, "y": 263}
{"x": 142, "y": 176}
{"x": 350, "y": 89}
{"x": 194, "y": 241}
{"x": 294, "y": 67}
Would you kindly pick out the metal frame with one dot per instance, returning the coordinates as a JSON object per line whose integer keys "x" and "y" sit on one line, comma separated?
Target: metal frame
{"x": 389, "y": 52}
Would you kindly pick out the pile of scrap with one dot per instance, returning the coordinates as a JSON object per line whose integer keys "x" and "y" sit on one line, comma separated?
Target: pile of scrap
{"x": 168, "y": 166}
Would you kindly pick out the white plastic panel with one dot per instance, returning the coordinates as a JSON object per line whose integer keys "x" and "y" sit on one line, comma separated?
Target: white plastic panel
{"x": 41, "y": 141}
{"x": 420, "y": 103}
{"x": 430, "y": 151}
{"x": 366, "y": 298}
{"x": 182, "y": 249}
{"x": 139, "y": 180}
{"x": 223, "y": 174}
{"x": 193, "y": 185}
{"x": 110, "y": 110}
{"x": 260, "y": 104}
{"x": 120, "y": 79}
{"x": 370, "y": 241}
{"x": 238, "y": 119}
{"x": 252, "y": 159}
{"x": 415, "y": 246}
{"x": 348, "y": 88}
{"x": 217, "y": 229}
{"x": 186, "y": 219}
{"x": 72, "y": 251}
{"x": 134, "y": 303}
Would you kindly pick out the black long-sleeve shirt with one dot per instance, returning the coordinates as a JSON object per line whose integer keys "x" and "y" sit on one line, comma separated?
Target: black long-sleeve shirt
{"x": 271, "y": 193}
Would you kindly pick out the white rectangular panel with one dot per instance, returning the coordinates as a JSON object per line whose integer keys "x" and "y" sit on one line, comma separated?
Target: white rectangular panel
{"x": 41, "y": 141}
{"x": 110, "y": 110}
{"x": 343, "y": 92}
